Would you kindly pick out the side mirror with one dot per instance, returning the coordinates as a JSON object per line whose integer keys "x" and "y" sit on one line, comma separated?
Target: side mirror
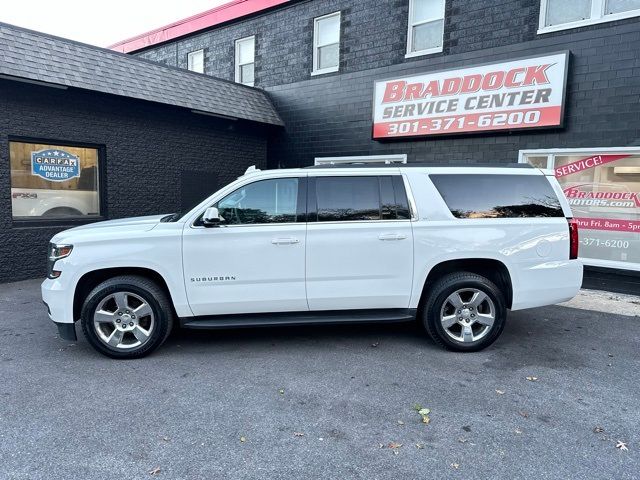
{"x": 211, "y": 217}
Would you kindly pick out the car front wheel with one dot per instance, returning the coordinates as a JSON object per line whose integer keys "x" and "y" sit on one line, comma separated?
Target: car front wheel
{"x": 126, "y": 317}
{"x": 464, "y": 312}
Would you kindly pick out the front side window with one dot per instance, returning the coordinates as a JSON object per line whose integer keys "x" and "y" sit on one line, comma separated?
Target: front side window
{"x": 498, "y": 196}
{"x": 53, "y": 181}
{"x": 245, "y": 61}
{"x": 264, "y": 201}
{"x": 326, "y": 44}
{"x": 561, "y": 14}
{"x": 195, "y": 61}
{"x": 426, "y": 27}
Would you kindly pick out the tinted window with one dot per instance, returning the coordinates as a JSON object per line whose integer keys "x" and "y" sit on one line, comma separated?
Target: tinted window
{"x": 265, "y": 201}
{"x": 348, "y": 198}
{"x": 498, "y": 196}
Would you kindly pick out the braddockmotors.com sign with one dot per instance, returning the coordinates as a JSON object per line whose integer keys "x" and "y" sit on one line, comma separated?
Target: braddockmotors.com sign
{"x": 55, "y": 165}
{"x": 524, "y": 93}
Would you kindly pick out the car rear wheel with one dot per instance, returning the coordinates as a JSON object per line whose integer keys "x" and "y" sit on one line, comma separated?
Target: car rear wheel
{"x": 126, "y": 317}
{"x": 464, "y": 312}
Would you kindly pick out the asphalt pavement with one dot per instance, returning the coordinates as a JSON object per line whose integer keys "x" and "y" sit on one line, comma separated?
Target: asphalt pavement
{"x": 557, "y": 396}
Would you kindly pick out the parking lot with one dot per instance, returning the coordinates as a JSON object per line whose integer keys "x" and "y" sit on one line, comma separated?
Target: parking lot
{"x": 553, "y": 398}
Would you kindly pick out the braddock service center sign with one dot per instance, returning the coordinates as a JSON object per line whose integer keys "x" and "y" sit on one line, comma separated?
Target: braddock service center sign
{"x": 523, "y": 93}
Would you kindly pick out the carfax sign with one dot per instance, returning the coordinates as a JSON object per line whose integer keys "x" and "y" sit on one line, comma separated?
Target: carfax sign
{"x": 523, "y": 93}
{"x": 55, "y": 165}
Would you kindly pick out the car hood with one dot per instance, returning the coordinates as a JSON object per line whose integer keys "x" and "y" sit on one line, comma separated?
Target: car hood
{"x": 122, "y": 225}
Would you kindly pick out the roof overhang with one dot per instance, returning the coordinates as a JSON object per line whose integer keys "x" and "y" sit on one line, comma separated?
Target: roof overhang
{"x": 224, "y": 13}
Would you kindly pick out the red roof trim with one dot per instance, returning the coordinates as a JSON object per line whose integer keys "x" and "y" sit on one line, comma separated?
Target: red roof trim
{"x": 224, "y": 13}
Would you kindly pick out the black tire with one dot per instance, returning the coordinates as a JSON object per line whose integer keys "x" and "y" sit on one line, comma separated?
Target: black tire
{"x": 435, "y": 300}
{"x": 142, "y": 287}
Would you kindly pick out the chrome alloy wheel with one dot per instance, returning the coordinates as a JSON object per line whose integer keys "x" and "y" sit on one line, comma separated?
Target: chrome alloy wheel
{"x": 467, "y": 315}
{"x": 123, "y": 320}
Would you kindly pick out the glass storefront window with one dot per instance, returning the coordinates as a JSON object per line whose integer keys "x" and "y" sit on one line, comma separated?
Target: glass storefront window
{"x": 53, "y": 181}
{"x": 603, "y": 189}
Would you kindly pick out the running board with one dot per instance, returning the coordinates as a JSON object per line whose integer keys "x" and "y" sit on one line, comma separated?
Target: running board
{"x": 298, "y": 318}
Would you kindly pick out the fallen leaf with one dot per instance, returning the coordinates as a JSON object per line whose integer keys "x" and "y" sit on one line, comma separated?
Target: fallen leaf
{"x": 281, "y": 391}
{"x": 242, "y": 439}
{"x": 532, "y": 379}
{"x": 374, "y": 345}
{"x": 598, "y": 429}
{"x": 455, "y": 465}
{"x": 400, "y": 422}
{"x": 417, "y": 407}
{"x": 500, "y": 392}
{"x": 419, "y": 446}
{"x": 518, "y": 431}
{"x": 298, "y": 434}
{"x": 524, "y": 414}
{"x": 154, "y": 471}
{"x": 462, "y": 440}
{"x": 424, "y": 413}
{"x": 394, "y": 445}
{"x": 622, "y": 446}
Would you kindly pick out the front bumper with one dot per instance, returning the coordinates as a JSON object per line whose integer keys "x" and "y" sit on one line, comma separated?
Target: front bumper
{"x": 59, "y": 307}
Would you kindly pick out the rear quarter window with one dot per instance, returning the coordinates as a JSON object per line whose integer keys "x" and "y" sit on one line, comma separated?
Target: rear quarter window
{"x": 498, "y": 196}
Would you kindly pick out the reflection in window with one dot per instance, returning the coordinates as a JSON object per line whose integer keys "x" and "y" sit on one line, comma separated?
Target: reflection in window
{"x": 53, "y": 181}
{"x": 348, "y": 198}
{"x": 265, "y": 201}
{"x": 498, "y": 196}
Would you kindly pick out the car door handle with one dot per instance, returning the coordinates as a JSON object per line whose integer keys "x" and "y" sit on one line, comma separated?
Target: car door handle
{"x": 391, "y": 236}
{"x": 285, "y": 241}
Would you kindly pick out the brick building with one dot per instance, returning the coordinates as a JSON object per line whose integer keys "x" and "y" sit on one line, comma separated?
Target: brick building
{"x": 319, "y": 61}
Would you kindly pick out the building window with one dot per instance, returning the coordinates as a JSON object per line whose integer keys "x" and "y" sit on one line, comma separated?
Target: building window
{"x": 326, "y": 44}
{"x": 426, "y": 27}
{"x": 602, "y": 187}
{"x": 195, "y": 61}
{"x": 245, "y": 61}
{"x": 560, "y": 14}
{"x": 53, "y": 181}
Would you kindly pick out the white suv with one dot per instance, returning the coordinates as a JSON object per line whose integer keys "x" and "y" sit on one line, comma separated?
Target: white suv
{"x": 453, "y": 247}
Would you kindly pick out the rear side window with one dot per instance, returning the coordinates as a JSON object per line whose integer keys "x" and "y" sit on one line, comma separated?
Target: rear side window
{"x": 348, "y": 198}
{"x": 364, "y": 198}
{"x": 498, "y": 196}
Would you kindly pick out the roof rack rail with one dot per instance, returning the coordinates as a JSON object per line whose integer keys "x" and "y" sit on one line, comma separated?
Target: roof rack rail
{"x": 362, "y": 159}
{"x": 423, "y": 165}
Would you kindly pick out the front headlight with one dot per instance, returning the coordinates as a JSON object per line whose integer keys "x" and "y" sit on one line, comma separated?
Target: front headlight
{"x": 56, "y": 252}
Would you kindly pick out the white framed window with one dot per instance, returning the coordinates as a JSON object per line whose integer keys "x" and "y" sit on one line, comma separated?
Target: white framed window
{"x": 245, "y": 60}
{"x": 426, "y": 27}
{"x": 326, "y": 44}
{"x": 561, "y": 14}
{"x": 195, "y": 61}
